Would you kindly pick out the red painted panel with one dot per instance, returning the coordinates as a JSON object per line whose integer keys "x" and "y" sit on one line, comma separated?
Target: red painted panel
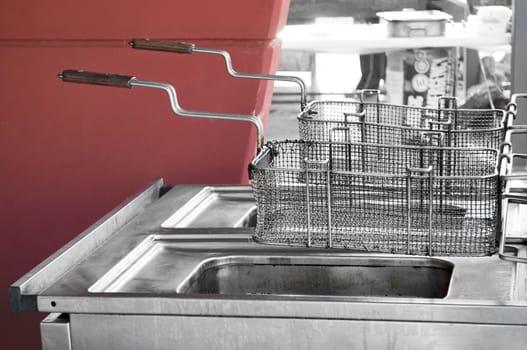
{"x": 121, "y": 19}
{"x": 69, "y": 153}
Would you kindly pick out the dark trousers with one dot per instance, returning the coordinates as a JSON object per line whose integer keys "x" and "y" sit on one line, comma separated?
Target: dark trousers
{"x": 373, "y": 69}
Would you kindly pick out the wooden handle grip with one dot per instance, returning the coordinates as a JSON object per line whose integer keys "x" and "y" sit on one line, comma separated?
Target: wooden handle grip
{"x": 162, "y": 45}
{"x": 82, "y": 77}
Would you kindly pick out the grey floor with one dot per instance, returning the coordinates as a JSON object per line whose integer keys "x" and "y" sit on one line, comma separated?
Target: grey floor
{"x": 282, "y": 123}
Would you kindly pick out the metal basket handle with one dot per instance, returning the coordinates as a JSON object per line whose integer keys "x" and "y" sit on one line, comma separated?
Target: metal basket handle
{"x": 126, "y": 81}
{"x": 188, "y": 48}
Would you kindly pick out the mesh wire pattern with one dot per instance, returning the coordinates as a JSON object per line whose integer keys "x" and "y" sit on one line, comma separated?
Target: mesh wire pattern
{"x": 366, "y": 199}
{"x": 394, "y": 124}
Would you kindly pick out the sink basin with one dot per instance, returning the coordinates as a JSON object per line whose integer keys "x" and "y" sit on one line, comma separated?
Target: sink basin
{"x": 230, "y": 264}
{"x": 312, "y": 275}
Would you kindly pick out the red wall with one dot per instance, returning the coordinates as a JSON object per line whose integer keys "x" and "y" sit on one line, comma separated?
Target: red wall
{"x": 117, "y": 19}
{"x": 70, "y": 152}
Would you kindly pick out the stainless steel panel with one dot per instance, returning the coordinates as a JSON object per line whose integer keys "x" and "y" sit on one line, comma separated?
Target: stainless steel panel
{"x": 55, "y": 332}
{"x": 146, "y": 280}
{"x": 138, "y": 269}
{"x": 209, "y": 333}
{"x": 352, "y": 308}
{"x": 216, "y": 207}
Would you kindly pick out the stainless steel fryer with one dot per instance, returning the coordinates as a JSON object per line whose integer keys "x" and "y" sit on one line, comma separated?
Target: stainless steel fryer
{"x": 383, "y": 198}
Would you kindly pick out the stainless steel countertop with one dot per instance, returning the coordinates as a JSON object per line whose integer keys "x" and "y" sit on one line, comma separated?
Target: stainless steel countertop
{"x": 479, "y": 285}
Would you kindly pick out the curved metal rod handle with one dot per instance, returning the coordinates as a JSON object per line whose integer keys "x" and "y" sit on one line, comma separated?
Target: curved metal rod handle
{"x": 78, "y": 76}
{"x": 508, "y": 158}
{"x": 182, "y": 47}
{"x": 509, "y": 116}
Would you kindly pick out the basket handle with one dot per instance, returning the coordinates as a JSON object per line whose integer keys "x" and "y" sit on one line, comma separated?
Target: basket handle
{"x": 182, "y": 47}
{"x": 79, "y": 76}
{"x": 105, "y": 79}
{"x": 162, "y": 45}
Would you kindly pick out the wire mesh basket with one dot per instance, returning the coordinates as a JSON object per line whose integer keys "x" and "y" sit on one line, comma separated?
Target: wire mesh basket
{"x": 377, "y": 198}
{"x": 395, "y": 124}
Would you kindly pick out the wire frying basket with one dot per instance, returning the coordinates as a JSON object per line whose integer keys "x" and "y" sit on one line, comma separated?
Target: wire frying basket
{"x": 372, "y": 121}
{"x": 378, "y": 198}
